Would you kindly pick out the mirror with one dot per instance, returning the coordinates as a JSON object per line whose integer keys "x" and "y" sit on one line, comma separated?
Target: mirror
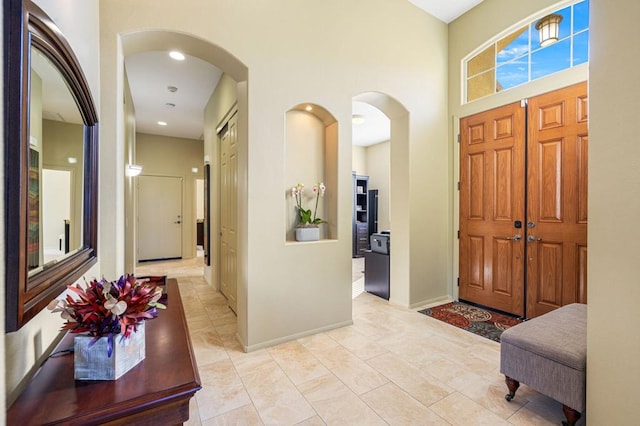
{"x": 55, "y": 167}
{"x": 51, "y": 147}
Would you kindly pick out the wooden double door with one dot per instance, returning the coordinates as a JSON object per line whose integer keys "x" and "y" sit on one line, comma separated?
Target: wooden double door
{"x": 523, "y": 204}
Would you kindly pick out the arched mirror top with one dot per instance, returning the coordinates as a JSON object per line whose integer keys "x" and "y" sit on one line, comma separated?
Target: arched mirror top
{"x": 51, "y": 140}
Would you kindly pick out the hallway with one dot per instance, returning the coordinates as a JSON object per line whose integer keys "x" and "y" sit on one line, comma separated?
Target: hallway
{"x": 393, "y": 366}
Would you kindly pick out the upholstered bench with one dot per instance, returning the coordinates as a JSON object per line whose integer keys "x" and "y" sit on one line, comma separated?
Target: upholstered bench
{"x": 549, "y": 354}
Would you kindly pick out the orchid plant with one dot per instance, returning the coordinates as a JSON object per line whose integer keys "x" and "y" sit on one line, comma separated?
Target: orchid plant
{"x": 306, "y": 217}
{"x": 109, "y": 308}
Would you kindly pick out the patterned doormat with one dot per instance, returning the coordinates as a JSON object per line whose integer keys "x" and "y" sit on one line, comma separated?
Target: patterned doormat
{"x": 481, "y": 321}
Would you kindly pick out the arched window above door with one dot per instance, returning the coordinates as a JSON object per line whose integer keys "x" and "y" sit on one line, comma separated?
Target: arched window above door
{"x": 551, "y": 41}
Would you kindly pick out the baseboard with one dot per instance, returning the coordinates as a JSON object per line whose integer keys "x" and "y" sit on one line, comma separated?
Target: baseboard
{"x": 274, "y": 342}
{"x": 431, "y": 302}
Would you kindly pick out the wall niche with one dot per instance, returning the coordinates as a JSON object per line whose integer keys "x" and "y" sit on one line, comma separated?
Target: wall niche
{"x": 312, "y": 157}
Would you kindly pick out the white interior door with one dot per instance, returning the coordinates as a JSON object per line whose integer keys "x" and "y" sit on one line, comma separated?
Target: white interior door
{"x": 159, "y": 217}
{"x": 228, "y": 211}
{"x": 56, "y": 202}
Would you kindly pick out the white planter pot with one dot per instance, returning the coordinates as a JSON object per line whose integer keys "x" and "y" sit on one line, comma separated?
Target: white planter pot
{"x": 308, "y": 234}
{"x": 93, "y": 363}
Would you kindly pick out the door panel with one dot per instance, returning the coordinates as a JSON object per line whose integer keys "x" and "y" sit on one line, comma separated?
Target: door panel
{"x": 159, "y": 217}
{"x": 491, "y": 200}
{"x": 492, "y": 197}
{"x": 228, "y": 211}
{"x": 557, "y": 199}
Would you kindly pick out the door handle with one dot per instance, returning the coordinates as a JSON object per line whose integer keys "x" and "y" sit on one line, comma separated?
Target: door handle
{"x": 533, "y": 239}
{"x": 516, "y": 237}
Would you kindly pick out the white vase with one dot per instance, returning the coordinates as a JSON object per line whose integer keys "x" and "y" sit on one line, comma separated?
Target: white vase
{"x": 93, "y": 363}
{"x": 308, "y": 234}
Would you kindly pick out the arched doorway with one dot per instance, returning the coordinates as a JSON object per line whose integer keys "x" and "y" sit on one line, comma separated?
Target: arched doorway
{"x": 398, "y": 215}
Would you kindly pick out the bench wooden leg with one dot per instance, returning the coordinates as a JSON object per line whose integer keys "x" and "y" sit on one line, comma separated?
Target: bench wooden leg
{"x": 513, "y": 386}
{"x": 572, "y": 415}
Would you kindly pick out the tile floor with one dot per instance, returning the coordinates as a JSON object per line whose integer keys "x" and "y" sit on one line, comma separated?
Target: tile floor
{"x": 393, "y": 366}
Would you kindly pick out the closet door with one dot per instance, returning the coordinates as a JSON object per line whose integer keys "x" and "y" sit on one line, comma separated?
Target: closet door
{"x": 492, "y": 203}
{"x": 557, "y": 200}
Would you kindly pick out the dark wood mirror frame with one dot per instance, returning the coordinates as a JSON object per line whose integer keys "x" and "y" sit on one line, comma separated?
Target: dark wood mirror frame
{"x": 25, "y": 26}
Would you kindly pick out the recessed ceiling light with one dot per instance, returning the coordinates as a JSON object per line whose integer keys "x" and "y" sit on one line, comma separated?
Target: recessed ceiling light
{"x": 172, "y": 89}
{"x": 357, "y": 119}
{"x": 162, "y": 123}
{"x": 178, "y": 56}
{"x": 309, "y": 108}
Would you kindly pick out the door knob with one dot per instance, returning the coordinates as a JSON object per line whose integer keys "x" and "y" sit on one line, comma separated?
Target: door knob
{"x": 177, "y": 221}
{"x": 533, "y": 239}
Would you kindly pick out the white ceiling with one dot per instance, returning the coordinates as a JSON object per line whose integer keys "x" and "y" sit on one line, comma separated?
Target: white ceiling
{"x": 446, "y": 10}
{"x": 150, "y": 73}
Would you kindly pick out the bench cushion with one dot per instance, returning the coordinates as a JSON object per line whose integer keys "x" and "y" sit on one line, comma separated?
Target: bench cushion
{"x": 549, "y": 354}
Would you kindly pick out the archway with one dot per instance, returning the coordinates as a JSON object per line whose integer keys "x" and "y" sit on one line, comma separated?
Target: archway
{"x": 235, "y": 77}
{"x": 399, "y": 195}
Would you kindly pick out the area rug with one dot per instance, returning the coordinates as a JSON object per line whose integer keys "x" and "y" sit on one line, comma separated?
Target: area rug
{"x": 481, "y": 321}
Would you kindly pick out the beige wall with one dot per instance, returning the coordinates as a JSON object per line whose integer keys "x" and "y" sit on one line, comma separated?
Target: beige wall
{"x": 222, "y": 102}
{"x": 61, "y": 141}
{"x": 379, "y": 166}
{"x": 25, "y": 348}
{"x": 614, "y": 206}
{"x": 305, "y": 163}
{"x": 278, "y": 305}
{"x": 167, "y": 156}
{"x": 359, "y": 160}
{"x": 130, "y": 201}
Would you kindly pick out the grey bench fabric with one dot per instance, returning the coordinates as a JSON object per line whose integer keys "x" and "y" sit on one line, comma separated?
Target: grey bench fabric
{"x": 549, "y": 354}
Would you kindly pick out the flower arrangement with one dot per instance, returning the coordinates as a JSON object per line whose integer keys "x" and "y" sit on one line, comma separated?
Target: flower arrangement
{"x": 109, "y": 308}
{"x": 306, "y": 217}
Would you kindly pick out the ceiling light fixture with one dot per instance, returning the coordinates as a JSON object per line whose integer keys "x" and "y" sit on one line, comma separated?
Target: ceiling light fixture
{"x": 357, "y": 119}
{"x": 133, "y": 170}
{"x": 178, "y": 56}
{"x": 162, "y": 123}
{"x": 549, "y": 29}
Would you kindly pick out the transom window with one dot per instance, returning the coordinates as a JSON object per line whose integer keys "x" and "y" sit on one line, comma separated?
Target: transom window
{"x": 522, "y": 55}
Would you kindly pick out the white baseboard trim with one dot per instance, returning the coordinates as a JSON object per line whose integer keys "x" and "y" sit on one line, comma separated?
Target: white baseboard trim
{"x": 431, "y": 302}
{"x": 274, "y": 342}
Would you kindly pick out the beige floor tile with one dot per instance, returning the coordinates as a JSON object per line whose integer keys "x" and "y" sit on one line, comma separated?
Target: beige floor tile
{"x": 313, "y": 421}
{"x": 350, "y": 369}
{"x": 421, "y": 386}
{"x": 337, "y": 404}
{"x": 245, "y": 416}
{"x": 457, "y": 409}
{"x": 208, "y": 348}
{"x": 393, "y": 360}
{"x": 540, "y": 411}
{"x": 297, "y": 362}
{"x": 358, "y": 344}
{"x": 317, "y": 342}
{"x": 222, "y": 390}
{"x": 397, "y": 407}
{"x": 275, "y": 397}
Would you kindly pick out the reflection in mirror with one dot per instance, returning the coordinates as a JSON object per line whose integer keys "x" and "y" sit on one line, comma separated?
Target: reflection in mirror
{"x": 51, "y": 157}
{"x": 55, "y": 167}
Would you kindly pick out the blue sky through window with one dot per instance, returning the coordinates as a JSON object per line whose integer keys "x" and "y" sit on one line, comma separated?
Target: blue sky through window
{"x": 520, "y": 59}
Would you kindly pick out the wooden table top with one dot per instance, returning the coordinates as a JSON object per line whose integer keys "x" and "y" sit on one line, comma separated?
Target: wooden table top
{"x": 168, "y": 376}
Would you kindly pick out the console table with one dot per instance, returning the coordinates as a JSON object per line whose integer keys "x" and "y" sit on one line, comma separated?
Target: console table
{"x": 155, "y": 392}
